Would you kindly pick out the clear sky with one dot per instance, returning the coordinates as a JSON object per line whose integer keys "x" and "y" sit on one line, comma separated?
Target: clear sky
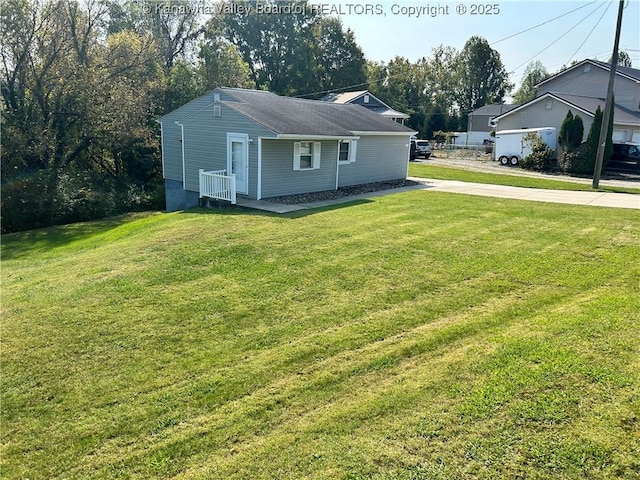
{"x": 411, "y": 29}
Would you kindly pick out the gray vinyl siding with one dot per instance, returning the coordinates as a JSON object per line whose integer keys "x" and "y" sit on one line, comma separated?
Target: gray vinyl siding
{"x": 205, "y": 143}
{"x": 594, "y": 84}
{"x": 171, "y": 133}
{"x": 279, "y": 177}
{"x": 479, "y": 123}
{"x": 171, "y": 151}
{"x": 373, "y": 102}
{"x": 378, "y": 158}
{"x": 537, "y": 115}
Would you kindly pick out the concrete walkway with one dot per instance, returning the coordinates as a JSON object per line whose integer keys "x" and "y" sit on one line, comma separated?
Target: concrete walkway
{"x": 594, "y": 199}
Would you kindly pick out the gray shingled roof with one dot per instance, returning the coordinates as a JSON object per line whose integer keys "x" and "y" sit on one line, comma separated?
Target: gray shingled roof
{"x": 591, "y": 104}
{"x": 621, "y": 115}
{"x": 294, "y": 116}
{"x": 494, "y": 109}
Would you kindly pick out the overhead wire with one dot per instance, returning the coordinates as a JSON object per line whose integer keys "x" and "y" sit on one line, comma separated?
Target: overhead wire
{"x": 557, "y": 39}
{"x": 543, "y": 23}
{"x": 591, "y": 31}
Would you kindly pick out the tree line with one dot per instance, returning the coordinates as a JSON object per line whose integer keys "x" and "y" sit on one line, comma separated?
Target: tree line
{"x": 84, "y": 82}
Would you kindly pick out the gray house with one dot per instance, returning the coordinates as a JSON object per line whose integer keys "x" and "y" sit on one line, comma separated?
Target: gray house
{"x": 581, "y": 89}
{"x": 367, "y": 100}
{"x": 258, "y": 145}
{"x": 481, "y": 119}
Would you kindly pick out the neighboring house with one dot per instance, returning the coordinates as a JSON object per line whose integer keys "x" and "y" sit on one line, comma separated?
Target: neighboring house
{"x": 480, "y": 124}
{"x": 481, "y": 119}
{"x": 581, "y": 89}
{"x": 367, "y": 100}
{"x": 275, "y": 146}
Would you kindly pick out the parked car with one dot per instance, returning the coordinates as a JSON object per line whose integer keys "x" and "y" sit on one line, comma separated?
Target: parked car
{"x": 625, "y": 158}
{"x": 420, "y": 148}
{"x": 625, "y": 151}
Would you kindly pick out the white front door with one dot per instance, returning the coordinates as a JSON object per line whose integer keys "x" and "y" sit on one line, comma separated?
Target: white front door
{"x": 238, "y": 160}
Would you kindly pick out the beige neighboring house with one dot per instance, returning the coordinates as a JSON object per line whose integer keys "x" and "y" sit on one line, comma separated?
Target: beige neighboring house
{"x": 581, "y": 89}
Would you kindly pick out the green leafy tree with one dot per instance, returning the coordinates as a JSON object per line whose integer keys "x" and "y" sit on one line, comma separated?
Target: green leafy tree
{"x": 441, "y": 72}
{"x": 624, "y": 60}
{"x": 533, "y": 74}
{"x": 481, "y": 76}
{"x": 279, "y": 49}
{"x": 340, "y": 60}
{"x": 80, "y": 105}
{"x": 222, "y": 66}
{"x": 299, "y": 53}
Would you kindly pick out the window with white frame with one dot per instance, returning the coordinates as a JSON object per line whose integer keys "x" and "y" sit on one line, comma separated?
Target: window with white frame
{"x": 347, "y": 151}
{"x": 306, "y": 155}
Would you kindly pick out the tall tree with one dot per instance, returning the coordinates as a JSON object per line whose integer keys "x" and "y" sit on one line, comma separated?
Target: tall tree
{"x": 481, "y": 75}
{"x": 222, "y": 66}
{"x": 340, "y": 60}
{"x": 278, "y": 48}
{"x": 76, "y": 104}
{"x": 533, "y": 74}
{"x": 441, "y": 77}
{"x": 624, "y": 60}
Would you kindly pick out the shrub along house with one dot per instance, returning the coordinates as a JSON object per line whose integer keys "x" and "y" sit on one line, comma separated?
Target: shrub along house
{"x": 259, "y": 145}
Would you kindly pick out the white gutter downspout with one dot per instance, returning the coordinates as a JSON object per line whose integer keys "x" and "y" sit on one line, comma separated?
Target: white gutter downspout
{"x": 259, "y": 191}
{"x": 338, "y": 164}
{"x": 184, "y": 175}
{"x": 162, "y": 147}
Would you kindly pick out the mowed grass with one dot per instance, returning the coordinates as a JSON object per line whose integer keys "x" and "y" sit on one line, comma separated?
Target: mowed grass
{"x": 453, "y": 173}
{"x": 420, "y": 335}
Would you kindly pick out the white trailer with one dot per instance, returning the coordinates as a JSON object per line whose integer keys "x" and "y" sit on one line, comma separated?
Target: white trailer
{"x": 510, "y": 148}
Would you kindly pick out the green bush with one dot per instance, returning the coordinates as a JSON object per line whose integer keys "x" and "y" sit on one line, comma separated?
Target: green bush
{"x": 540, "y": 154}
{"x": 571, "y": 132}
{"x": 581, "y": 160}
{"x": 41, "y": 198}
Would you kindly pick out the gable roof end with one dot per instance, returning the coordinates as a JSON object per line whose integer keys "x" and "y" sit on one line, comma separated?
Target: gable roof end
{"x": 627, "y": 72}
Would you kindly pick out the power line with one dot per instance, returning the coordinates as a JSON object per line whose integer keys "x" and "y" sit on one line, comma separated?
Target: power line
{"x": 543, "y": 23}
{"x": 559, "y": 38}
{"x": 594, "y": 27}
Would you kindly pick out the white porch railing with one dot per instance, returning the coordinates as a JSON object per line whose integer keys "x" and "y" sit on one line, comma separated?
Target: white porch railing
{"x": 218, "y": 184}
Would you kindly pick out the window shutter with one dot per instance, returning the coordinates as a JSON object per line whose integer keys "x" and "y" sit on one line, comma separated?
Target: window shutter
{"x": 353, "y": 146}
{"x": 316, "y": 155}
{"x": 296, "y": 156}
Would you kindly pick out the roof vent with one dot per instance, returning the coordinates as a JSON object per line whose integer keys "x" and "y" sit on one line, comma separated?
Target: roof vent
{"x": 216, "y": 111}
{"x": 216, "y": 97}
{"x": 366, "y": 98}
{"x": 586, "y": 68}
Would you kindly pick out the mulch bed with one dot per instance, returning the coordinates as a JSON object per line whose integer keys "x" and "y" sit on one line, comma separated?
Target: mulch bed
{"x": 340, "y": 192}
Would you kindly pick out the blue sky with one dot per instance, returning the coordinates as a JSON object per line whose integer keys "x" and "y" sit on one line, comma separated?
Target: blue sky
{"x": 384, "y": 29}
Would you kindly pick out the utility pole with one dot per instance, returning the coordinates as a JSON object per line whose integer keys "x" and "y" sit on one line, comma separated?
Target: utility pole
{"x": 608, "y": 107}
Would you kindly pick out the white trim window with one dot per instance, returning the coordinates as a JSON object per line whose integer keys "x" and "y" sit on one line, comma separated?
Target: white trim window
{"x": 306, "y": 155}
{"x": 347, "y": 151}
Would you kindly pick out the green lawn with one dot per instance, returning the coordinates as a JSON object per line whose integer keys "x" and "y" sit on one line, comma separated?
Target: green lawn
{"x": 420, "y": 335}
{"x": 452, "y": 173}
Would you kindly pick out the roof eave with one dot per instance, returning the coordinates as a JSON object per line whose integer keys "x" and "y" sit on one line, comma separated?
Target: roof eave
{"x": 387, "y": 133}
{"x": 302, "y": 136}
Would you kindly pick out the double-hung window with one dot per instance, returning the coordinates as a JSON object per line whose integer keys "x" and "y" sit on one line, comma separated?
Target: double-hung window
{"x": 306, "y": 155}
{"x": 347, "y": 151}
